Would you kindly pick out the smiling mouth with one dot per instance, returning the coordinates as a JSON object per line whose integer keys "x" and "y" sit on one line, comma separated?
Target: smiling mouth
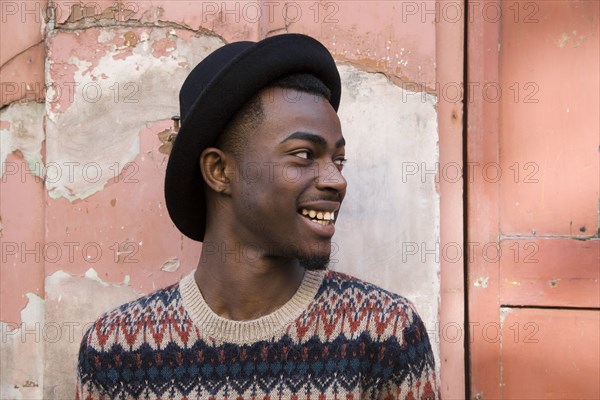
{"x": 319, "y": 217}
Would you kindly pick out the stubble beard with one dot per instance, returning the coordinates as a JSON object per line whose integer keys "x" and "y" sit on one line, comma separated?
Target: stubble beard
{"x": 315, "y": 263}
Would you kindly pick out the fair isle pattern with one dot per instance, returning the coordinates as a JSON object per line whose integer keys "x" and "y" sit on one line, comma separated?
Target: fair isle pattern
{"x": 337, "y": 338}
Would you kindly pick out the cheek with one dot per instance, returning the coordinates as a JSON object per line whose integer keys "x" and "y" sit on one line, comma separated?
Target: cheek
{"x": 300, "y": 178}
{"x": 269, "y": 193}
{"x": 261, "y": 200}
{"x": 291, "y": 175}
{"x": 254, "y": 202}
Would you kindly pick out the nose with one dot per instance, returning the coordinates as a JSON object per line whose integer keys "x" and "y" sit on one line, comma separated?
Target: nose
{"x": 330, "y": 178}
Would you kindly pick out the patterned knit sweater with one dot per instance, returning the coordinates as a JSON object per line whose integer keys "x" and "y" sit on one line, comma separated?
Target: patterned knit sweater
{"x": 337, "y": 338}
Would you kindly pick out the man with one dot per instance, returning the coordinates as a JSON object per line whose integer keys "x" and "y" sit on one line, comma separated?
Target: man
{"x": 255, "y": 173}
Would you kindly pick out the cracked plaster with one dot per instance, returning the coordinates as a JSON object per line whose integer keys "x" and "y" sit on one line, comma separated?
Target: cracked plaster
{"x": 21, "y": 128}
{"x": 114, "y": 93}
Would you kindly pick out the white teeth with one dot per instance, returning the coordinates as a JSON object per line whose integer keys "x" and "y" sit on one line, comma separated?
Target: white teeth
{"x": 322, "y": 217}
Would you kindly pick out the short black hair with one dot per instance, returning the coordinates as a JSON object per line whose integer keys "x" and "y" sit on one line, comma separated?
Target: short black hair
{"x": 236, "y": 134}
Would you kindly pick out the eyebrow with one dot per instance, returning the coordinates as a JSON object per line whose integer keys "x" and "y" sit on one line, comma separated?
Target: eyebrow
{"x": 314, "y": 138}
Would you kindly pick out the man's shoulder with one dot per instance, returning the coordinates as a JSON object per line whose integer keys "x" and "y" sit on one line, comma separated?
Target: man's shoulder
{"x": 126, "y": 321}
{"x": 338, "y": 284}
{"x": 159, "y": 301}
{"x": 381, "y": 312}
{"x": 377, "y": 324}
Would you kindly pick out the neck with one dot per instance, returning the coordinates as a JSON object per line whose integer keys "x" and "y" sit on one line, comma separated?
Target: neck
{"x": 243, "y": 284}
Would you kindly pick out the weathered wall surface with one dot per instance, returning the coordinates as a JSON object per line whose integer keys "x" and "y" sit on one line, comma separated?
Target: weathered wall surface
{"x": 389, "y": 212}
{"x": 88, "y": 90}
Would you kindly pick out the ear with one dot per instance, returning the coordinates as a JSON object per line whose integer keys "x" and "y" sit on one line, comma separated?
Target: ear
{"x": 216, "y": 167}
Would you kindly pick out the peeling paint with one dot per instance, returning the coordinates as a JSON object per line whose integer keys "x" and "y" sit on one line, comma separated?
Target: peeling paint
{"x": 553, "y": 282}
{"x": 504, "y": 312}
{"x": 482, "y": 281}
{"x": 131, "y": 39}
{"x": 164, "y": 47}
{"x": 59, "y": 277}
{"x": 90, "y": 274}
{"x": 70, "y": 307}
{"x": 106, "y": 115}
{"x": 22, "y": 77}
{"x": 21, "y": 367}
{"x": 21, "y": 128}
{"x": 572, "y": 39}
{"x": 171, "y": 265}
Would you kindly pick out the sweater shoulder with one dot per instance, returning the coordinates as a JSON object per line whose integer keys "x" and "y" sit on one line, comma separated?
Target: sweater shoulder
{"x": 373, "y": 310}
{"x": 124, "y": 322}
{"x": 388, "y": 324}
{"x": 161, "y": 300}
{"x": 338, "y": 284}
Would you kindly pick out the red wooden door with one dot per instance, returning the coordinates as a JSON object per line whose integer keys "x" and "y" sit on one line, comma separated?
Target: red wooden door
{"x": 533, "y": 199}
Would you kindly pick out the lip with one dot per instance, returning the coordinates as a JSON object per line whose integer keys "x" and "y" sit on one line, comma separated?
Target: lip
{"x": 321, "y": 205}
{"x": 325, "y": 231}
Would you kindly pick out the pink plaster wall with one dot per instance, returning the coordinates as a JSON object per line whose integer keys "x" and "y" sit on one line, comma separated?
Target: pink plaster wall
{"x": 21, "y": 27}
{"x": 397, "y": 38}
{"x": 122, "y": 230}
{"x": 22, "y": 51}
{"x": 362, "y": 33}
{"x": 22, "y": 197}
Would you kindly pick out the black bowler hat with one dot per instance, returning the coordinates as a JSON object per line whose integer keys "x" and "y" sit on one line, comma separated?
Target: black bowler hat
{"x": 212, "y": 94}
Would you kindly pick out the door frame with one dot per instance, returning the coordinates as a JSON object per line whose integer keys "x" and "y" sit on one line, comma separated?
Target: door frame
{"x": 450, "y": 332}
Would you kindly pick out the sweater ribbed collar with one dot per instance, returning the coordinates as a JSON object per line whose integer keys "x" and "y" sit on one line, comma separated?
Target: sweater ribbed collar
{"x": 213, "y": 326}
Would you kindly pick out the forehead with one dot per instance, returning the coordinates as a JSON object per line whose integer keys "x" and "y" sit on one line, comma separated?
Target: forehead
{"x": 288, "y": 110}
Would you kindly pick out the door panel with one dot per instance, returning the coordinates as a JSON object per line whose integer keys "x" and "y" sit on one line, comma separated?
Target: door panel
{"x": 550, "y": 272}
{"x": 533, "y": 141}
{"x": 549, "y": 118}
{"x": 550, "y": 354}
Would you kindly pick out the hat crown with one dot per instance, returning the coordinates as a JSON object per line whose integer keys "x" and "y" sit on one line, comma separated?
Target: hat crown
{"x": 205, "y": 72}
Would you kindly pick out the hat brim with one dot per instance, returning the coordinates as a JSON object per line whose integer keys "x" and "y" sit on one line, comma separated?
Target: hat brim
{"x": 245, "y": 75}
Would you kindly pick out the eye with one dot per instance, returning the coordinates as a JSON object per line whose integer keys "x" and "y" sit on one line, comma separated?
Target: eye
{"x": 303, "y": 154}
{"x": 341, "y": 161}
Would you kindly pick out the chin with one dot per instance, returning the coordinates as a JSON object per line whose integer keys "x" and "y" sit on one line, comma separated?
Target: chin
{"x": 315, "y": 263}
